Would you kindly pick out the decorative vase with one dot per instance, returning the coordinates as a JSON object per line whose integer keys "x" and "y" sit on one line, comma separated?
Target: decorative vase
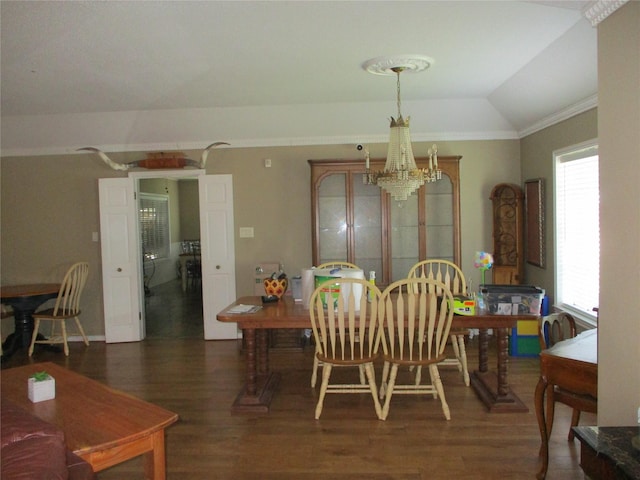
{"x": 274, "y": 286}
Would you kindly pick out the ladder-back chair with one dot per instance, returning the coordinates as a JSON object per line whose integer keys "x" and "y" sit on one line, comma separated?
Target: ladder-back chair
{"x": 345, "y": 328}
{"x": 451, "y": 275}
{"x": 416, "y": 325}
{"x": 316, "y": 363}
{"x": 67, "y": 306}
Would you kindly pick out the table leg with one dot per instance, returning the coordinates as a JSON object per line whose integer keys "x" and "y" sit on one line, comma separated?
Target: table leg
{"x": 483, "y": 350}
{"x": 260, "y": 383}
{"x": 503, "y": 362}
{"x": 250, "y": 339}
{"x": 263, "y": 352}
{"x": 493, "y": 387}
{"x": 155, "y": 463}
{"x": 541, "y": 388}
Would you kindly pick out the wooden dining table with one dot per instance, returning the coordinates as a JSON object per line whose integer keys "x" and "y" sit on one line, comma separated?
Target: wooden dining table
{"x": 573, "y": 366}
{"x": 24, "y": 300}
{"x": 492, "y": 387}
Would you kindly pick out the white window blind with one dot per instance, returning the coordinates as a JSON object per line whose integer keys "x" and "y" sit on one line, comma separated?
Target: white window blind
{"x": 577, "y": 229}
{"x": 154, "y": 225}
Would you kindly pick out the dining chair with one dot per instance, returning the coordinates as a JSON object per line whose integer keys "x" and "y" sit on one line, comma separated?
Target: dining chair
{"x": 67, "y": 306}
{"x": 416, "y": 324}
{"x": 194, "y": 265}
{"x": 345, "y": 328}
{"x": 555, "y": 328}
{"x": 451, "y": 275}
{"x": 316, "y": 363}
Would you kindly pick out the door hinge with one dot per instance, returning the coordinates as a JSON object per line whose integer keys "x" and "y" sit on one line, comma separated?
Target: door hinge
{"x": 135, "y": 195}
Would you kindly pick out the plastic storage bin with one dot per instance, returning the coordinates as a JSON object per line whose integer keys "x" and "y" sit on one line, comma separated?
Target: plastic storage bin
{"x": 512, "y": 299}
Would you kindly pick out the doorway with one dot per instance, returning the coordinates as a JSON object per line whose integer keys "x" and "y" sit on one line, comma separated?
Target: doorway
{"x": 169, "y": 222}
{"x": 122, "y": 262}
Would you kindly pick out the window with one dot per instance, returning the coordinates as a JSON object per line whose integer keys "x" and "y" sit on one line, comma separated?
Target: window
{"x": 154, "y": 225}
{"x": 577, "y": 230}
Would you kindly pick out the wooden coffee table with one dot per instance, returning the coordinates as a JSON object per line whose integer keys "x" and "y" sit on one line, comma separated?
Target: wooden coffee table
{"x": 102, "y": 425}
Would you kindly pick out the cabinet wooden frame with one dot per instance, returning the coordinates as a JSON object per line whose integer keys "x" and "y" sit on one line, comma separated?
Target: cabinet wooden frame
{"x": 353, "y": 170}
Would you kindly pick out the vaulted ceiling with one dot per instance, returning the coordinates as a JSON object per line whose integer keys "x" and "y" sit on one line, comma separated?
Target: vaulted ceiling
{"x": 502, "y": 68}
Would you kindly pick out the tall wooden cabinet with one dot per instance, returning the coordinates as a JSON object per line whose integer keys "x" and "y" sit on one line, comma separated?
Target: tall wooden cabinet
{"x": 508, "y": 234}
{"x": 362, "y": 224}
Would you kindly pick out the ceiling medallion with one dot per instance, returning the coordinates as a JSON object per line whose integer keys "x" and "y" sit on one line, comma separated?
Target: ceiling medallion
{"x": 390, "y": 65}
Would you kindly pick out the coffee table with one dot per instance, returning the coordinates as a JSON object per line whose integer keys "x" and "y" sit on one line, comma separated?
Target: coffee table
{"x": 101, "y": 425}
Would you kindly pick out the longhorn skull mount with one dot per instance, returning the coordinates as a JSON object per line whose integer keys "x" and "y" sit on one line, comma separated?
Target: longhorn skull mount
{"x": 158, "y": 160}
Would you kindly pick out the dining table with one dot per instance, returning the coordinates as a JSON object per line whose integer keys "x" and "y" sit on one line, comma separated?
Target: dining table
{"x": 572, "y": 365}
{"x": 255, "y": 319}
{"x": 24, "y": 299}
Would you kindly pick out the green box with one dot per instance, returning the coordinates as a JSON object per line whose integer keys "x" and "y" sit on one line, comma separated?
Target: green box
{"x": 523, "y": 345}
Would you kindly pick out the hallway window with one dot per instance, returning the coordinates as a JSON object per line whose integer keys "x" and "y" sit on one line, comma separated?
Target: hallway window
{"x": 577, "y": 230}
{"x": 154, "y": 225}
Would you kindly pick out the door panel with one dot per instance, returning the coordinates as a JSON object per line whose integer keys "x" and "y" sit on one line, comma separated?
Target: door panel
{"x": 120, "y": 262}
{"x": 218, "y": 253}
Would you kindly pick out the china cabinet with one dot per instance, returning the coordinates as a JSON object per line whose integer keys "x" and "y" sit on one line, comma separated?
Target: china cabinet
{"x": 362, "y": 224}
{"x": 508, "y": 234}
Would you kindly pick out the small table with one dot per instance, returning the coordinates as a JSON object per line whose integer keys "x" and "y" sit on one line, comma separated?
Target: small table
{"x": 101, "y": 425}
{"x": 493, "y": 389}
{"x": 573, "y": 365}
{"x": 607, "y": 452}
{"x": 24, "y": 299}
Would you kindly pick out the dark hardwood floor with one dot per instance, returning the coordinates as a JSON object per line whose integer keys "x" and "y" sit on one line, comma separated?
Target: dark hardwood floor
{"x": 175, "y": 368}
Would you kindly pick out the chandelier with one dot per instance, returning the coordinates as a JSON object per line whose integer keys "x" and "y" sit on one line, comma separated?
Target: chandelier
{"x": 401, "y": 176}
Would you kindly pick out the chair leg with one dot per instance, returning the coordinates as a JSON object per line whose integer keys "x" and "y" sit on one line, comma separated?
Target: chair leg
{"x": 326, "y": 373}
{"x": 463, "y": 360}
{"x": 368, "y": 368}
{"x": 34, "y": 335}
{"x": 456, "y": 350}
{"x": 363, "y": 380}
{"x": 81, "y": 331}
{"x": 575, "y": 419}
{"x": 63, "y": 325}
{"x": 314, "y": 373}
{"x": 389, "y": 392}
{"x": 383, "y": 381}
{"x": 437, "y": 382}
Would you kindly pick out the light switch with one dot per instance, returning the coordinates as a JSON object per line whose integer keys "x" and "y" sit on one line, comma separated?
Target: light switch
{"x": 246, "y": 232}
{"x": 94, "y": 236}
{"x": 267, "y": 162}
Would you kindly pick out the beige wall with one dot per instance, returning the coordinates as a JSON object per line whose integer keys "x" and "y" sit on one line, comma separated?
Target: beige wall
{"x": 49, "y": 208}
{"x": 619, "y": 149}
{"x": 537, "y": 162}
{"x": 189, "y": 214}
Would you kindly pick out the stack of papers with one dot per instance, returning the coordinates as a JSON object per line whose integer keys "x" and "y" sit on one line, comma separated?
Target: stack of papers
{"x": 244, "y": 308}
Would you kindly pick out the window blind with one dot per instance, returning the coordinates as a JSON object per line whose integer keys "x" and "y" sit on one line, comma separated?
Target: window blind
{"x": 154, "y": 225}
{"x": 577, "y": 230}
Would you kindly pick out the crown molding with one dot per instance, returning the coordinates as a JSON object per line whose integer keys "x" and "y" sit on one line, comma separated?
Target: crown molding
{"x": 571, "y": 111}
{"x": 597, "y": 10}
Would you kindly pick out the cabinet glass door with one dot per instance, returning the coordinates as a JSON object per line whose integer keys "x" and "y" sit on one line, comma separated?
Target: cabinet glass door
{"x": 367, "y": 226}
{"x": 405, "y": 236}
{"x": 332, "y": 218}
{"x": 439, "y": 219}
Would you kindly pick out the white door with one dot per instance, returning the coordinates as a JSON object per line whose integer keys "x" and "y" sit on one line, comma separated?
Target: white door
{"x": 120, "y": 261}
{"x": 218, "y": 253}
